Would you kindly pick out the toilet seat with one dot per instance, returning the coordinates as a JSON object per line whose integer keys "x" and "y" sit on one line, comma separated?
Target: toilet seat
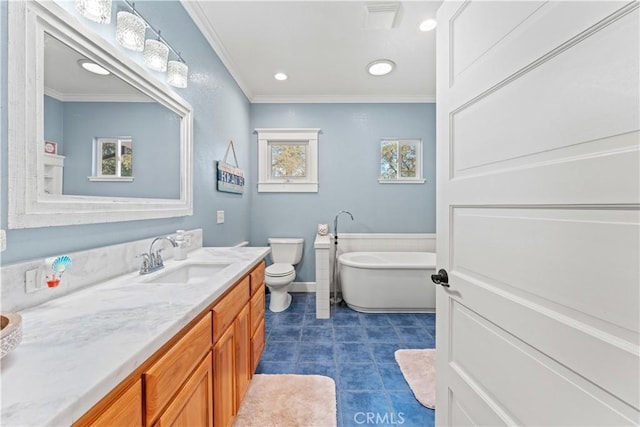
{"x": 279, "y": 270}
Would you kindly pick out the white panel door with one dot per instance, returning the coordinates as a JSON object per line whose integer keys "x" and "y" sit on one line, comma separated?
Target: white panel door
{"x": 538, "y": 214}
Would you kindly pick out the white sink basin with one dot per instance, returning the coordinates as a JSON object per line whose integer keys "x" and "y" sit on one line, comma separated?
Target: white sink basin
{"x": 188, "y": 273}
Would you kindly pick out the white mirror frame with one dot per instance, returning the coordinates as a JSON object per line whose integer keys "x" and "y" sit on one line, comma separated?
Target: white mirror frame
{"x": 28, "y": 206}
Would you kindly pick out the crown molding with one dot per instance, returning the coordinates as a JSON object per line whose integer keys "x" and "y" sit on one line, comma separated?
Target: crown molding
{"x": 198, "y": 16}
{"x": 95, "y": 97}
{"x": 344, "y": 99}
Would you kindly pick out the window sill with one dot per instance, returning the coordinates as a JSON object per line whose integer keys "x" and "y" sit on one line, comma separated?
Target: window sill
{"x": 287, "y": 187}
{"x": 110, "y": 178}
{"x": 402, "y": 181}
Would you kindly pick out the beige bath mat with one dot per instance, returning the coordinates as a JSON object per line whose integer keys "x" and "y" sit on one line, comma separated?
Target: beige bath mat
{"x": 288, "y": 400}
{"x": 419, "y": 369}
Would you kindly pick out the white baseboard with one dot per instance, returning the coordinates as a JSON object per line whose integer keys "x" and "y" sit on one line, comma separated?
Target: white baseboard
{"x": 303, "y": 287}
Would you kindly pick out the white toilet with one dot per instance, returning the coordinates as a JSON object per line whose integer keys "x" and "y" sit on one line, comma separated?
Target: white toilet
{"x": 285, "y": 253}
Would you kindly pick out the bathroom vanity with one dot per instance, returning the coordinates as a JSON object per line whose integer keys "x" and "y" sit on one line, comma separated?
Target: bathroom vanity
{"x": 139, "y": 350}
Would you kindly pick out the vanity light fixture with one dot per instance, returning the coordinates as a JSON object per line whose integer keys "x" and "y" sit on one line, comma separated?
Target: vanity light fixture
{"x": 177, "y": 73}
{"x": 92, "y": 67}
{"x": 130, "y": 31}
{"x": 156, "y": 51}
{"x": 280, "y": 76}
{"x": 95, "y": 10}
{"x": 381, "y": 67}
{"x": 428, "y": 25}
{"x": 156, "y": 54}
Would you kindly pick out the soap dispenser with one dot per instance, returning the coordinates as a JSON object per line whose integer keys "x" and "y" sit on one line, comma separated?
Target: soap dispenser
{"x": 180, "y": 251}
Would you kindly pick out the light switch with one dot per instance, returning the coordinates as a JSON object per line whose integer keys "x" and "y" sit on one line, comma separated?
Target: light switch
{"x": 3, "y": 240}
{"x": 220, "y": 217}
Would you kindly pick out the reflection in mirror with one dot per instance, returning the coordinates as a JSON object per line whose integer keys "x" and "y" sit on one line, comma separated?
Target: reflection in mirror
{"x": 52, "y": 188}
{"x": 88, "y": 115}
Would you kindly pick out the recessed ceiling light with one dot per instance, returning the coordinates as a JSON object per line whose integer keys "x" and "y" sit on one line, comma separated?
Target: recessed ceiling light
{"x": 93, "y": 67}
{"x": 281, "y": 76}
{"x": 428, "y": 25}
{"x": 381, "y": 67}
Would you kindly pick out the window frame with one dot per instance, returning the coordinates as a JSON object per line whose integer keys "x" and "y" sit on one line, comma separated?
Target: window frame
{"x": 97, "y": 159}
{"x": 419, "y": 178}
{"x": 270, "y": 184}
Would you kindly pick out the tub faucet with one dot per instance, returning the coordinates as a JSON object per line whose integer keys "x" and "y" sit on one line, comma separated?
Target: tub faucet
{"x": 335, "y": 222}
{"x": 152, "y": 261}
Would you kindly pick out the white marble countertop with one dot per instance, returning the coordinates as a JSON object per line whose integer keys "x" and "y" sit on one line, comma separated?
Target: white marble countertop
{"x": 77, "y": 348}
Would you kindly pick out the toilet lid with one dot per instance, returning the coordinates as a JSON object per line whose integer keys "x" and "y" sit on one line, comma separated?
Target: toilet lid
{"x": 279, "y": 270}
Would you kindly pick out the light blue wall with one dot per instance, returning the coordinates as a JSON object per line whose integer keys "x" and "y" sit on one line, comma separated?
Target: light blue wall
{"x": 221, "y": 113}
{"x": 54, "y": 122}
{"x": 156, "y": 157}
{"x": 349, "y": 166}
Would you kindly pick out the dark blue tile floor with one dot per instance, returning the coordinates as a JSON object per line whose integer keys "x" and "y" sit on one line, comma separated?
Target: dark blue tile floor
{"x": 356, "y": 350}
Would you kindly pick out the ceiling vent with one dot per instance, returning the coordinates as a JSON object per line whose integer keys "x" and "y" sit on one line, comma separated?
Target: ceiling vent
{"x": 381, "y": 15}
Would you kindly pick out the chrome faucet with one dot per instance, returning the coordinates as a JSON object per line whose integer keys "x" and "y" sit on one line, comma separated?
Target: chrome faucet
{"x": 152, "y": 261}
{"x": 335, "y": 222}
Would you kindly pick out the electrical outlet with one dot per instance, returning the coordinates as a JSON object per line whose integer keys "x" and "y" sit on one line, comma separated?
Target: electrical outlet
{"x": 220, "y": 217}
{"x": 3, "y": 240}
{"x": 31, "y": 281}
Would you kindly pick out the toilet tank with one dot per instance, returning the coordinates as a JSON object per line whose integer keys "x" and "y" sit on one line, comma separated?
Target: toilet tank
{"x": 287, "y": 250}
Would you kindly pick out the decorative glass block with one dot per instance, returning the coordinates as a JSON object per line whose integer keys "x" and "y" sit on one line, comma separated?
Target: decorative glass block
{"x": 156, "y": 55}
{"x": 95, "y": 10}
{"x": 177, "y": 73}
{"x": 130, "y": 31}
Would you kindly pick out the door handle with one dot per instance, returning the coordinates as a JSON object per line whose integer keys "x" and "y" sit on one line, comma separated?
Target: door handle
{"x": 442, "y": 278}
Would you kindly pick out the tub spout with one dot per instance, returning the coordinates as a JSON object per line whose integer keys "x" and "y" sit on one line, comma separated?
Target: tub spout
{"x": 335, "y": 221}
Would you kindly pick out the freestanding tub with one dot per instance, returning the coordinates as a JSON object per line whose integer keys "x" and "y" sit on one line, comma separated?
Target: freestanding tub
{"x": 388, "y": 282}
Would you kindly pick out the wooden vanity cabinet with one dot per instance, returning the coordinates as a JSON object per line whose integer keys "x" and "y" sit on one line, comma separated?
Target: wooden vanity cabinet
{"x": 235, "y": 356}
{"x": 201, "y": 375}
{"x": 193, "y": 406}
{"x": 124, "y": 411}
{"x": 173, "y": 370}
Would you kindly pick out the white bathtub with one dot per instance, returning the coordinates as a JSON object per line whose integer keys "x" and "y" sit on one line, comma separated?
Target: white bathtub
{"x": 388, "y": 282}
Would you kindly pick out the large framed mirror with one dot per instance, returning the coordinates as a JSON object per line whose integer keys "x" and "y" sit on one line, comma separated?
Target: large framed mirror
{"x": 87, "y": 148}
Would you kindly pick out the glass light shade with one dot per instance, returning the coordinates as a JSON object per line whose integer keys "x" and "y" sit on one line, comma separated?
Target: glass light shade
{"x": 130, "y": 31}
{"x": 156, "y": 55}
{"x": 177, "y": 73}
{"x": 95, "y": 10}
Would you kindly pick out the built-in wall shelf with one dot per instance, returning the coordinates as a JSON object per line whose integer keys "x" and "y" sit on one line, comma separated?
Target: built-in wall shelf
{"x": 53, "y": 168}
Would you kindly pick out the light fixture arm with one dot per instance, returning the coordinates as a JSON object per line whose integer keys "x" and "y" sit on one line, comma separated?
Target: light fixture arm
{"x": 131, "y": 6}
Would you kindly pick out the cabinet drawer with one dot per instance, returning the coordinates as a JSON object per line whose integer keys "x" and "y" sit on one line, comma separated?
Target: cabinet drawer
{"x": 257, "y": 345}
{"x": 257, "y": 308}
{"x": 165, "y": 377}
{"x": 257, "y": 278}
{"x": 125, "y": 411}
{"x": 229, "y": 306}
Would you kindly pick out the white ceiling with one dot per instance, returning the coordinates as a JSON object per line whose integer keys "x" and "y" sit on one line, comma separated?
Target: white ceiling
{"x": 65, "y": 80}
{"x": 324, "y": 48}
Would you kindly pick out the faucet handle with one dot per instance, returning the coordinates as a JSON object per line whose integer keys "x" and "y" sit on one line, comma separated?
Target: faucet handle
{"x": 144, "y": 267}
{"x": 159, "y": 260}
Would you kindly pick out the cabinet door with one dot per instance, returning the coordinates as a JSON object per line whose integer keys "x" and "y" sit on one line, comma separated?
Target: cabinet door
{"x": 257, "y": 308}
{"x": 243, "y": 353}
{"x": 193, "y": 405}
{"x": 224, "y": 379}
{"x": 125, "y": 411}
{"x": 257, "y": 345}
{"x": 164, "y": 378}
